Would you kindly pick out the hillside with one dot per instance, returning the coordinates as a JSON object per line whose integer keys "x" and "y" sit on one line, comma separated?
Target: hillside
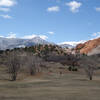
{"x": 44, "y": 50}
{"x": 88, "y": 46}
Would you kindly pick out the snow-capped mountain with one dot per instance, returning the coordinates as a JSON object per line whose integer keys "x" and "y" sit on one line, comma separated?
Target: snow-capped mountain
{"x": 10, "y": 43}
{"x": 66, "y": 46}
{"x": 70, "y": 44}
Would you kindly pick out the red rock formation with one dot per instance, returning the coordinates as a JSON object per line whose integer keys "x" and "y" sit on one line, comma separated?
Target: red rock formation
{"x": 86, "y": 47}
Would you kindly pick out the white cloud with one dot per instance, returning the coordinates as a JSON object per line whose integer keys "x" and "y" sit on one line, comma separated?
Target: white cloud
{"x": 50, "y": 33}
{"x": 11, "y": 35}
{"x": 7, "y": 3}
{"x": 6, "y": 16}
{"x": 97, "y": 9}
{"x": 74, "y": 6}
{"x": 53, "y": 9}
{"x": 33, "y": 36}
{"x": 5, "y": 9}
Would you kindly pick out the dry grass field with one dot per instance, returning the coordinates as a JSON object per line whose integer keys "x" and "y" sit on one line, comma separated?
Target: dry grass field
{"x": 52, "y": 86}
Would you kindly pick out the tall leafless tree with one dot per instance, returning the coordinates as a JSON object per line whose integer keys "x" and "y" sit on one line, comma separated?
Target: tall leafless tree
{"x": 33, "y": 63}
{"x": 13, "y": 65}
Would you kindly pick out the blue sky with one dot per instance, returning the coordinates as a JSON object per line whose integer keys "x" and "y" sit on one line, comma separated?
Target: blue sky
{"x": 55, "y": 20}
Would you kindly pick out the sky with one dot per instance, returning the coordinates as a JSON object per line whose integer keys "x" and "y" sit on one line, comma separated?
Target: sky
{"x": 56, "y": 21}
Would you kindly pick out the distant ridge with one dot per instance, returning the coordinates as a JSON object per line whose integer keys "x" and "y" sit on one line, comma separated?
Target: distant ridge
{"x": 10, "y": 43}
{"x": 70, "y": 44}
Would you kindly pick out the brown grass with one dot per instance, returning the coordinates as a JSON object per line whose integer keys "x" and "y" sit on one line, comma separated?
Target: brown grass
{"x": 69, "y": 86}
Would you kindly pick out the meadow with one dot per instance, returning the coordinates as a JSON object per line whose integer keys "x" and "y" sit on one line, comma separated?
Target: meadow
{"x": 51, "y": 86}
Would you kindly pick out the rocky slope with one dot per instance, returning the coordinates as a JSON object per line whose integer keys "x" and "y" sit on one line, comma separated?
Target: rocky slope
{"x": 88, "y": 46}
{"x": 95, "y": 51}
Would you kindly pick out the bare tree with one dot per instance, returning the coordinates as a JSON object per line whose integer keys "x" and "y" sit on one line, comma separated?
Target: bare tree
{"x": 68, "y": 59}
{"x": 90, "y": 64}
{"x": 33, "y": 63}
{"x": 13, "y": 64}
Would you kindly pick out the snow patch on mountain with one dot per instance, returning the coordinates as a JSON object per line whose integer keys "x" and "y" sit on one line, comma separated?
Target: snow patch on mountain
{"x": 70, "y": 44}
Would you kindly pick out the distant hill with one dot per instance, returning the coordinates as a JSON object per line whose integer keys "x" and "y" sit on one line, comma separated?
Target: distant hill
{"x": 69, "y": 44}
{"x": 43, "y": 51}
{"x": 10, "y": 43}
{"x": 89, "y": 47}
{"x": 66, "y": 46}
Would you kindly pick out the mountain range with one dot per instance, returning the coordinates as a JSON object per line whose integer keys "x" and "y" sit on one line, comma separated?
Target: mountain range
{"x": 10, "y": 43}
{"x": 89, "y": 47}
{"x": 72, "y": 44}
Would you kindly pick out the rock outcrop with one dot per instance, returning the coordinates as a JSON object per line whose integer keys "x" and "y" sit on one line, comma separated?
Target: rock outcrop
{"x": 88, "y": 46}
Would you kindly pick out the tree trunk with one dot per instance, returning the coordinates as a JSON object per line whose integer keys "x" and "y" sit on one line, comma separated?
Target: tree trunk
{"x": 14, "y": 77}
{"x": 90, "y": 77}
{"x": 32, "y": 72}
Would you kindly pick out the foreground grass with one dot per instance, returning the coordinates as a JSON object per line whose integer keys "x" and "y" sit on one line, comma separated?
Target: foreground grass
{"x": 70, "y": 86}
